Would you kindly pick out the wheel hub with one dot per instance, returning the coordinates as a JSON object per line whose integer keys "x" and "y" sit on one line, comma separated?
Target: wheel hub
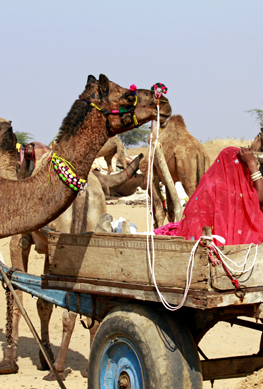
{"x": 124, "y": 381}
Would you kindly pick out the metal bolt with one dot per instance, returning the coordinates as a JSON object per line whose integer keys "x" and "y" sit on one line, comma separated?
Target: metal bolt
{"x": 124, "y": 381}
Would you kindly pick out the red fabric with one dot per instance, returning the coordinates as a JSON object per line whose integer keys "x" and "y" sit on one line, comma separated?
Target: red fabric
{"x": 225, "y": 200}
{"x": 168, "y": 229}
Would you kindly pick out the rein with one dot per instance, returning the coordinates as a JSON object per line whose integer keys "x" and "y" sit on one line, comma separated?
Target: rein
{"x": 119, "y": 111}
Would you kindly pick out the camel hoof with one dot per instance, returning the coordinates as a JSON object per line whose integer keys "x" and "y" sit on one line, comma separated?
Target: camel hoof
{"x": 43, "y": 365}
{"x": 8, "y": 366}
{"x": 51, "y": 376}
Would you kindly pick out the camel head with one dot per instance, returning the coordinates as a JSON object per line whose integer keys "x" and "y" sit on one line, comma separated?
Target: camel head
{"x": 8, "y": 155}
{"x": 123, "y": 108}
{"x": 257, "y": 144}
{"x": 7, "y": 137}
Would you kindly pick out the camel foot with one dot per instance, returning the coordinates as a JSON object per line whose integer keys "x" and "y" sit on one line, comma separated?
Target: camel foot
{"x": 85, "y": 374}
{"x": 51, "y": 376}
{"x": 43, "y": 365}
{"x": 8, "y": 366}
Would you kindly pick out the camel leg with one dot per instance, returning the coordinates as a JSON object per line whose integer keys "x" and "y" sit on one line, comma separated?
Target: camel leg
{"x": 19, "y": 260}
{"x": 159, "y": 215}
{"x": 170, "y": 207}
{"x": 121, "y": 156}
{"x": 168, "y": 181}
{"x": 44, "y": 309}
{"x": 92, "y": 332}
{"x": 68, "y": 321}
{"x": 108, "y": 159}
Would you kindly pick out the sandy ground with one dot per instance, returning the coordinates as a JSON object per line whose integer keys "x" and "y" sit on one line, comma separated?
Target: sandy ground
{"x": 221, "y": 341}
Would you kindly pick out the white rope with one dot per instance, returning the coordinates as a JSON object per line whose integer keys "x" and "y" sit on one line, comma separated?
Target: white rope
{"x": 2, "y": 258}
{"x": 151, "y": 259}
{"x": 222, "y": 256}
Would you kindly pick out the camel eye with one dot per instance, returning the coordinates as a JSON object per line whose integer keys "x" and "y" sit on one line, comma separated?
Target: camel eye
{"x": 130, "y": 99}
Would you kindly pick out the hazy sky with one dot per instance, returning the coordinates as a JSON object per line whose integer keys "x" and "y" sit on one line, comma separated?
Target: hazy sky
{"x": 208, "y": 53}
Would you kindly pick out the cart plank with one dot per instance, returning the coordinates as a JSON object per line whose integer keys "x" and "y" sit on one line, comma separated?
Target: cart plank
{"x": 123, "y": 258}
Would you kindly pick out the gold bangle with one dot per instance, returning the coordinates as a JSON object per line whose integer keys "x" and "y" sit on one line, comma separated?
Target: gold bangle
{"x": 258, "y": 175}
{"x": 257, "y": 178}
{"x": 255, "y": 174}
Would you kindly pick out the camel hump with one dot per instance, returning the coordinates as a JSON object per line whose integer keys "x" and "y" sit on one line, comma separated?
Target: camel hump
{"x": 5, "y": 121}
{"x": 177, "y": 120}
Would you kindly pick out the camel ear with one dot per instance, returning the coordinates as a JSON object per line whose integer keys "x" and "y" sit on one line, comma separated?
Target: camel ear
{"x": 91, "y": 79}
{"x": 104, "y": 84}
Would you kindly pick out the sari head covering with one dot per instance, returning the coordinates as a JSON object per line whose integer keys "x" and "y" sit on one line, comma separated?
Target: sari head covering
{"x": 226, "y": 201}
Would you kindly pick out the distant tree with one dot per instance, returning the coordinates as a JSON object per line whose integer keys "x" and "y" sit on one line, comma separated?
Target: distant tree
{"x": 136, "y": 136}
{"x": 23, "y": 137}
{"x": 258, "y": 113}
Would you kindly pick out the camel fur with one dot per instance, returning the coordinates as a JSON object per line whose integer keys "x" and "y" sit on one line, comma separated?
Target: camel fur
{"x": 257, "y": 144}
{"x": 186, "y": 160}
{"x": 8, "y": 150}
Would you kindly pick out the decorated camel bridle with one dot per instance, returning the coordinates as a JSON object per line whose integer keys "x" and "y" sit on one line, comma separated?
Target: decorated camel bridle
{"x": 119, "y": 111}
{"x": 65, "y": 169}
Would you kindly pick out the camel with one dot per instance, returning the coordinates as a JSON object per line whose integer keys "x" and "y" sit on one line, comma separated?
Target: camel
{"x": 36, "y": 201}
{"x": 186, "y": 160}
{"x": 81, "y": 216}
{"x": 257, "y": 144}
{"x": 109, "y": 182}
{"x": 84, "y": 129}
{"x": 8, "y": 150}
{"x": 112, "y": 146}
{"x": 33, "y": 152}
{"x": 129, "y": 187}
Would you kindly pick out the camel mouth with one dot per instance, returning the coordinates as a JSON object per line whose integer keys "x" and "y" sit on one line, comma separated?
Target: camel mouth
{"x": 164, "y": 122}
{"x": 165, "y": 116}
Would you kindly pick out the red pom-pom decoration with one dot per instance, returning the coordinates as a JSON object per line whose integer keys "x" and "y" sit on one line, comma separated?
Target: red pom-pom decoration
{"x": 133, "y": 87}
{"x": 159, "y": 88}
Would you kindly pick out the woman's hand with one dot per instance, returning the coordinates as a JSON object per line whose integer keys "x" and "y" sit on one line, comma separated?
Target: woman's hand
{"x": 246, "y": 155}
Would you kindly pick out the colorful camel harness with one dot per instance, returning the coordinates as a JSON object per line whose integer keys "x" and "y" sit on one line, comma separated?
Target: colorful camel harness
{"x": 66, "y": 172}
{"x": 119, "y": 111}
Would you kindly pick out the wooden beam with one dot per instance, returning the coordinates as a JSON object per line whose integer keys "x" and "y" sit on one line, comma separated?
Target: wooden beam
{"x": 233, "y": 367}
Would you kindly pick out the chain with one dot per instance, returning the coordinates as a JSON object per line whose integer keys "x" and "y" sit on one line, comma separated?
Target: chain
{"x": 9, "y": 316}
{"x": 9, "y": 308}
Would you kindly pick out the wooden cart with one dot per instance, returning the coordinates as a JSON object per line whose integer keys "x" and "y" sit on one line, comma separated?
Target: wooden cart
{"x": 140, "y": 344}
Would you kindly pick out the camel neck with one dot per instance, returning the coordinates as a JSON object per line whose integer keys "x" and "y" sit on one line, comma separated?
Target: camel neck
{"x": 81, "y": 150}
{"x": 8, "y": 165}
{"x": 34, "y": 201}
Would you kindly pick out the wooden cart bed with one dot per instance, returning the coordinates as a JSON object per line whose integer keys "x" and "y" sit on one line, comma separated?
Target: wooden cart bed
{"x": 117, "y": 265}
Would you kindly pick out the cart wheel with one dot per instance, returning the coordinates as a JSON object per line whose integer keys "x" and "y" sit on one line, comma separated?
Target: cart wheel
{"x": 139, "y": 347}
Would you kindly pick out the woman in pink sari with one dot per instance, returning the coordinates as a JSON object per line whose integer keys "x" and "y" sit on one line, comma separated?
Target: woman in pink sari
{"x": 228, "y": 198}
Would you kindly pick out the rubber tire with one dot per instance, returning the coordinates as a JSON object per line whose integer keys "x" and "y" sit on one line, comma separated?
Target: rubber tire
{"x": 167, "y": 350}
